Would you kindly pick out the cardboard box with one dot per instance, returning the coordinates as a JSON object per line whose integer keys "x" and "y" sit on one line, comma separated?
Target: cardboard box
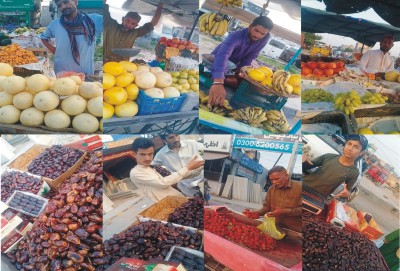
{"x": 368, "y": 226}
{"x": 22, "y": 162}
{"x": 342, "y": 216}
{"x": 87, "y": 144}
{"x": 162, "y": 209}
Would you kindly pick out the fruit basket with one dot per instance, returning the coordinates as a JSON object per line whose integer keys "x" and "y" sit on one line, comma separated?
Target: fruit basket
{"x": 249, "y": 95}
{"x": 150, "y": 106}
{"x": 265, "y": 89}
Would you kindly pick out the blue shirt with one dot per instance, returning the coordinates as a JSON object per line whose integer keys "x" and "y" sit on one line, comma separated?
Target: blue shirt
{"x": 239, "y": 49}
{"x": 63, "y": 59}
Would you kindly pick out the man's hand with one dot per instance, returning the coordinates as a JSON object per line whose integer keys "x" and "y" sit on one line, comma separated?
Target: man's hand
{"x": 277, "y": 212}
{"x": 194, "y": 163}
{"x": 217, "y": 95}
{"x": 304, "y": 159}
{"x": 344, "y": 193}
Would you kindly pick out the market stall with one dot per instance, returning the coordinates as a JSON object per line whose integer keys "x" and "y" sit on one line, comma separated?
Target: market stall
{"x": 336, "y": 95}
{"x": 260, "y": 99}
{"x": 236, "y": 172}
{"x": 32, "y": 99}
{"x": 158, "y": 90}
{"x": 172, "y": 228}
{"x": 46, "y": 222}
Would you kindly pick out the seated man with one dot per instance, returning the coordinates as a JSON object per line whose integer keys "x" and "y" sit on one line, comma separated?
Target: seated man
{"x": 175, "y": 154}
{"x": 151, "y": 183}
{"x": 283, "y": 200}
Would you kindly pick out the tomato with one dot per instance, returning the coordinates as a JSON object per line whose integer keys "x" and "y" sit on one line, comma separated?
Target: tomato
{"x": 328, "y": 72}
{"x": 306, "y": 71}
{"x": 321, "y": 65}
{"x": 339, "y": 64}
{"x": 331, "y": 65}
{"x": 318, "y": 72}
{"x": 312, "y": 65}
{"x": 303, "y": 64}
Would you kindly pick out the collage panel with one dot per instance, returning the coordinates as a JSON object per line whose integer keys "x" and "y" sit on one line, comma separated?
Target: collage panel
{"x": 51, "y": 202}
{"x": 253, "y": 208}
{"x": 153, "y": 202}
{"x": 51, "y": 55}
{"x": 250, "y": 67}
{"x": 350, "y": 68}
{"x": 151, "y": 78}
{"x": 350, "y": 202}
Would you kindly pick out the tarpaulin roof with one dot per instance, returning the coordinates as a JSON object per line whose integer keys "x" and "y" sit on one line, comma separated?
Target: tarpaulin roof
{"x": 364, "y": 31}
{"x": 389, "y": 10}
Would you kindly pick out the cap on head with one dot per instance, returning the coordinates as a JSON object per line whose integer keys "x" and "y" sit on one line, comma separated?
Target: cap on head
{"x": 360, "y": 138}
{"x": 133, "y": 15}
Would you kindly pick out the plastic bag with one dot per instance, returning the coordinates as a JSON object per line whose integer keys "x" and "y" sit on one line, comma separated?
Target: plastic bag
{"x": 268, "y": 227}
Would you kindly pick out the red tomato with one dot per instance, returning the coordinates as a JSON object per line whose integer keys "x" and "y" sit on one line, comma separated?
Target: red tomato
{"x": 328, "y": 72}
{"x": 321, "y": 65}
{"x": 312, "y": 65}
{"x": 318, "y": 72}
{"x": 306, "y": 71}
{"x": 331, "y": 65}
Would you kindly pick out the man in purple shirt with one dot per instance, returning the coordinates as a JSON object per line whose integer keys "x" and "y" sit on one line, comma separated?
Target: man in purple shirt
{"x": 241, "y": 47}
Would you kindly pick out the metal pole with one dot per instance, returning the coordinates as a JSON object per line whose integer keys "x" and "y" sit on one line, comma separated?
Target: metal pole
{"x": 293, "y": 158}
{"x": 277, "y": 160}
{"x": 194, "y": 26}
{"x": 362, "y": 48}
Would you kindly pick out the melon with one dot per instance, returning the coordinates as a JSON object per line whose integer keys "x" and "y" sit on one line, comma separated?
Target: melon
{"x": 108, "y": 81}
{"x": 9, "y": 114}
{"x": 145, "y": 80}
{"x": 128, "y": 66}
{"x": 73, "y": 105}
{"x": 57, "y": 119}
{"x": 124, "y": 79}
{"x": 90, "y": 90}
{"x": 115, "y": 95}
{"x": 95, "y": 106}
{"x": 13, "y": 84}
{"x": 392, "y": 76}
{"x": 143, "y": 68}
{"x": 2, "y": 77}
{"x": 101, "y": 125}
{"x": 108, "y": 110}
{"x": 5, "y": 98}
{"x": 126, "y": 110}
{"x": 23, "y": 100}
{"x": 85, "y": 123}
{"x": 76, "y": 79}
{"x": 133, "y": 91}
{"x": 171, "y": 92}
{"x": 113, "y": 68}
{"x": 46, "y": 100}
{"x": 6, "y": 69}
{"x": 37, "y": 83}
{"x": 32, "y": 117}
{"x": 154, "y": 93}
{"x": 164, "y": 79}
{"x": 64, "y": 86}
{"x": 155, "y": 70}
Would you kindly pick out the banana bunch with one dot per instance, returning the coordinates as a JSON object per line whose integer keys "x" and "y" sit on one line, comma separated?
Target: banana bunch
{"x": 280, "y": 82}
{"x": 277, "y": 122}
{"x": 219, "y": 110}
{"x": 377, "y": 98}
{"x": 253, "y": 116}
{"x": 271, "y": 120}
{"x": 228, "y": 3}
{"x": 316, "y": 95}
{"x": 213, "y": 24}
{"x": 347, "y": 101}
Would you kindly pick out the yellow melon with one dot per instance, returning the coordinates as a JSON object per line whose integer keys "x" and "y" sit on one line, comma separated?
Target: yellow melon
{"x": 115, "y": 95}
{"x": 113, "y": 68}
{"x": 108, "y": 110}
{"x": 126, "y": 110}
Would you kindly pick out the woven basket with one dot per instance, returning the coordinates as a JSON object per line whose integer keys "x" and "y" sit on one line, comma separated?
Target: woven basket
{"x": 261, "y": 88}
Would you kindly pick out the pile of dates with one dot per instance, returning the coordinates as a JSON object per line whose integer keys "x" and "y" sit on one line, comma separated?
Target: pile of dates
{"x": 326, "y": 247}
{"x": 67, "y": 235}
{"x": 190, "y": 261}
{"x": 148, "y": 240}
{"x": 54, "y": 161}
{"x": 27, "y": 203}
{"x": 189, "y": 214}
{"x": 14, "y": 180}
{"x": 237, "y": 232}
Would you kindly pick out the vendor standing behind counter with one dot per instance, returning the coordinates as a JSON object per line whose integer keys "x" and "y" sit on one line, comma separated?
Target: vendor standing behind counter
{"x": 75, "y": 34}
{"x": 240, "y": 47}
{"x": 124, "y": 35}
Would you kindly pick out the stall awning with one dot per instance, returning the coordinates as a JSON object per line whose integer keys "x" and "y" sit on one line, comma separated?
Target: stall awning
{"x": 364, "y": 31}
{"x": 389, "y": 10}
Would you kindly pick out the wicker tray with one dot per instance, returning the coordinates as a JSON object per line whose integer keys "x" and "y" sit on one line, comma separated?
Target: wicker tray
{"x": 261, "y": 88}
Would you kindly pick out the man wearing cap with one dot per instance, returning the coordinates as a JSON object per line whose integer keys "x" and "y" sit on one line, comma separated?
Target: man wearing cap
{"x": 378, "y": 62}
{"x": 124, "y": 35}
{"x": 334, "y": 169}
{"x": 75, "y": 35}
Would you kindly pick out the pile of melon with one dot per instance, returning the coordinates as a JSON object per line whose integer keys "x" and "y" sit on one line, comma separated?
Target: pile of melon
{"x": 121, "y": 84}
{"x": 61, "y": 103}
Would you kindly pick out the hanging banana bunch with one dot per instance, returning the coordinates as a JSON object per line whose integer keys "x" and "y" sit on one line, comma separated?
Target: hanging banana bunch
{"x": 213, "y": 23}
{"x": 228, "y": 3}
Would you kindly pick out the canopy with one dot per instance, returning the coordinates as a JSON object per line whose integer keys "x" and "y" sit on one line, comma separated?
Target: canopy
{"x": 389, "y": 10}
{"x": 364, "y": 31}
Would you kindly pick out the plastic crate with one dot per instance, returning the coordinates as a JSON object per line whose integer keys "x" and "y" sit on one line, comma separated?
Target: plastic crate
{"x": 387, "y": 110}
{"x": 334, "y": 117}
{"x": 150, "y": 106}
{"x": 249, "y": 95}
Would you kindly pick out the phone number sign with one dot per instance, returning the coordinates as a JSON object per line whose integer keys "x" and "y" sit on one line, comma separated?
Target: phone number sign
{"x": 276, "y": 146}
